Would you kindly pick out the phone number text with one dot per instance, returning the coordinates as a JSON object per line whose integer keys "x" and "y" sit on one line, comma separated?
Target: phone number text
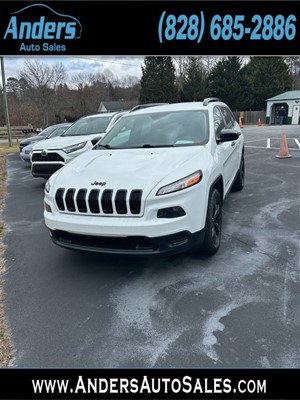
{"x": 226, "y": 27}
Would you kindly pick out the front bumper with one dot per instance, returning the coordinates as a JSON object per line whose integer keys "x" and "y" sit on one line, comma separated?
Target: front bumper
{"x": 25, "y": 157}
{"x": 130, "y": 245}
{"x": 145, "y": 233}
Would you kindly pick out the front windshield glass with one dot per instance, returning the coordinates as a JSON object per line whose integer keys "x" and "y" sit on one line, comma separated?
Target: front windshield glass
{"x": 58, "y": 132}
{"x": 89, "y": 126}
{"x": 47, "y": 131}
{"x": 161, "y": 129}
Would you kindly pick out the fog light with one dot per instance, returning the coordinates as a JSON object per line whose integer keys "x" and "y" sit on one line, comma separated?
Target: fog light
{"x": 171, "y": 212}
{"x": 47, "y": 207}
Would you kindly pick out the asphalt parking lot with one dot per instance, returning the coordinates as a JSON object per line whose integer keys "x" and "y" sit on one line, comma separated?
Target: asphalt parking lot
{"x": 239, "y": 308}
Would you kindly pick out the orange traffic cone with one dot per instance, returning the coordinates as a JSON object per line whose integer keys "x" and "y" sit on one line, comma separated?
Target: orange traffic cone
{"x": 259, "y": 122}
{"x": 240, "y": 122}
{"x": 283, "y": 151}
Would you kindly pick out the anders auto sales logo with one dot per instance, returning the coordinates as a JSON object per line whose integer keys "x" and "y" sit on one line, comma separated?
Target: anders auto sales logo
{"x": 39, "y": 28}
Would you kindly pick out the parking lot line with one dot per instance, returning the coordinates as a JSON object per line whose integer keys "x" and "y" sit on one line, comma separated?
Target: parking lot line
{"x": 258, "y": 145}
{"x": 263, "y": 147}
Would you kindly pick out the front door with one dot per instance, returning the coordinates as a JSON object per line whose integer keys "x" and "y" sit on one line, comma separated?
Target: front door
{"x": 226, "y": 152}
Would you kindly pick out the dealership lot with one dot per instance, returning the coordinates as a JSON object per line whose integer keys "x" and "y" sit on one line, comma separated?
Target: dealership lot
{"x": 239, "y": 308}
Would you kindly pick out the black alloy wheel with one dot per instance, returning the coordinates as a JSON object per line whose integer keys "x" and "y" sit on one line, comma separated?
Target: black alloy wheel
{"x": 213, "y": 227}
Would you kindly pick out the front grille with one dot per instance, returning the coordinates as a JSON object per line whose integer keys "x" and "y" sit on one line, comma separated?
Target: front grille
{"x": 100, "y": 202}
{"x": 47, "y": 158}
{"x": 44, "y": 170}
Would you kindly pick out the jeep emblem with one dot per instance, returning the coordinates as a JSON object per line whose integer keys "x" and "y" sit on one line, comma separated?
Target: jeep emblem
{"x": 97, "y": 183}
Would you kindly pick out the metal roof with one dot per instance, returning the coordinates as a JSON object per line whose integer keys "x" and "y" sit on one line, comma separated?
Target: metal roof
{"x": 290, "y": 95}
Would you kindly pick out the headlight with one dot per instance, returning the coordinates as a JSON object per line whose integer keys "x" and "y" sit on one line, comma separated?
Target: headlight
{"x": 47, "y": 187}
{"x": 183, "y": 183}
{"x": 74, "y": 147}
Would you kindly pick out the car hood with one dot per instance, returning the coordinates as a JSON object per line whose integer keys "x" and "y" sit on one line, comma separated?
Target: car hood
{"x": 131, "y": 168}
{"x": 31, "y": 140}
{"x": 60, "y": 142}
{"x": 29, "y": 147}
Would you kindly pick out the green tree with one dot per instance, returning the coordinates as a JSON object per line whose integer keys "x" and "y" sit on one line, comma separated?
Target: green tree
{"x": 194, "y": 84}
{"x": 226, "y": 81}
{"x": 158, "y": 81}
{"x": 266, "y": 77}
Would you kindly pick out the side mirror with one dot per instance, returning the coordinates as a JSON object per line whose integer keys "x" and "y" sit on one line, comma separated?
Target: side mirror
{"x": 96, "y": 140}
{"x": 227, "y": 135}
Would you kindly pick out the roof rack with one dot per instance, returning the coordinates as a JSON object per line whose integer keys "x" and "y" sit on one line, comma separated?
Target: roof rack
{"x": 210, "y": 100}
{"x": 140, "y": 106}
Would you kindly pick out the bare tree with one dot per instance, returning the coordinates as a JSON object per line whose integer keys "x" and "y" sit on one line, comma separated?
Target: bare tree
{"x": 180, "y": 65}
{"x": 43, "y": 80}
{"x": 130, "y": 81}
{"x": 37, "y": 74}
{"x": 109, "y": 76}
{"x": 294, "y": 66}
{"x": 209, "y": 62}
{"x": 83, "y": 79}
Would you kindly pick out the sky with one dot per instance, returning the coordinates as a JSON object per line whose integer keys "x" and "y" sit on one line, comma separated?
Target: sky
{"x": 119, "y": 66}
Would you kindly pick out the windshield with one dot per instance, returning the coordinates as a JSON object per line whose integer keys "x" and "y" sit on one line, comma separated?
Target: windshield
{"x": 47, "y": 131}
{"x": 161, "y": 129}
{"x": 88, "y": 126}
{"x": 58, "y": 131}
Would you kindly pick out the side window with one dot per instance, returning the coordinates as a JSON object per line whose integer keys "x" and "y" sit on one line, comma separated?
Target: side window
{"x": 218, "y": 121}
{"x": 228, "y": 117}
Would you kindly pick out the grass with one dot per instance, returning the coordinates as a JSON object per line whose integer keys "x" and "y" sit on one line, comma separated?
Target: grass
{"x": 5, "y": 341}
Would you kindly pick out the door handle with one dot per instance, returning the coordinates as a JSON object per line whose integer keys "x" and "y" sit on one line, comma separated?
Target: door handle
{"x": 233, "y": 144}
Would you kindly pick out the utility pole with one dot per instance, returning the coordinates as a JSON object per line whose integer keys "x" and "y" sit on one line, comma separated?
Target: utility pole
{"x": 5, "y": 102}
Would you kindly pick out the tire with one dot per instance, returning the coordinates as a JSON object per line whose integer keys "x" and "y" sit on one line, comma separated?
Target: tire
{"x": 239, "y": 181}
{"x": 213, "y": 225}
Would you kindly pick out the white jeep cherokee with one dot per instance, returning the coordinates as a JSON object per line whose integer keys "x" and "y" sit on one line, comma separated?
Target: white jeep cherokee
{"x": 155, "y": 183}
{"x": 48, "y": 157}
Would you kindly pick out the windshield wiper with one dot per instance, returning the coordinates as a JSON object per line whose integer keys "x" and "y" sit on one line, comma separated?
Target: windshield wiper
{"x": 148, "y": 145}
{"x": 103, "y": 146}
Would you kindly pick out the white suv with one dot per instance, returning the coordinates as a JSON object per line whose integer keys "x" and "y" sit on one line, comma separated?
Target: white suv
{"x": 154, "y": 184}
{"x": 48, "y": 157}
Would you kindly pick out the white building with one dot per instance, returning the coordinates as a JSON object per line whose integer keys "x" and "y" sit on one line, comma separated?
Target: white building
{"x": 290, "y": 101}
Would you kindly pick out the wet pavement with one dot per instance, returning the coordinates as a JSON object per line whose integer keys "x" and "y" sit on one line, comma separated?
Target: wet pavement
{"x": 239, "y": 308}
